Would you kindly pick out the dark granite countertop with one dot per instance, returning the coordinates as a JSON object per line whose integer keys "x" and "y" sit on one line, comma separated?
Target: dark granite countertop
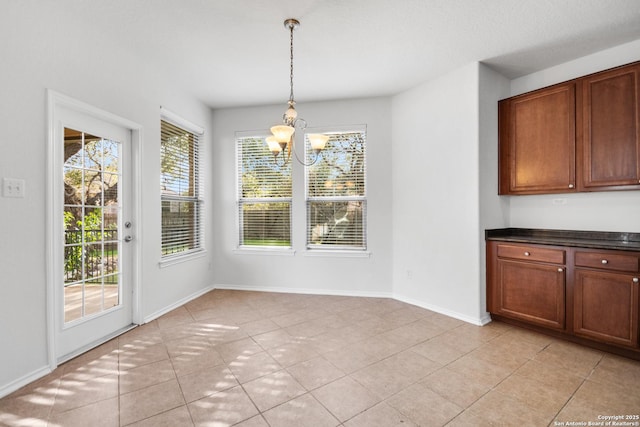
{"x": 583, "y": 239}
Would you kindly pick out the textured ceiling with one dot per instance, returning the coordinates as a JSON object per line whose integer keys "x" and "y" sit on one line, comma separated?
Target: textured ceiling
{"x": 236, "y": 52}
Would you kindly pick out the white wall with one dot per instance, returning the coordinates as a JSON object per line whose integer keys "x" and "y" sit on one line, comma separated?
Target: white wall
{"x": 494, "y": 209}
{"x": 436, "y": 167}
{"x": 301, "y": 272}
{"x": 42, "y": 47}
{"x": 605, "y": 211}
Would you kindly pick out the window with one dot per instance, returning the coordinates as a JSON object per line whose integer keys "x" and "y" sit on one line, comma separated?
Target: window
{"x": 181, "y": 195}
{"x": 264, "y": 196}
{"x": 336, "y": 196}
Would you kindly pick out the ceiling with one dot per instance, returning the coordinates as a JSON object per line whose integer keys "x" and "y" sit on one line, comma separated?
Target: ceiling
{"x": 236, "y": 52}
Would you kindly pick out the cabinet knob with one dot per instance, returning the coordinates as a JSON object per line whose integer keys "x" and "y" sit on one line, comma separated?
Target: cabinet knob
{"x": 570, "y": 185}
{"x": 636, "y": 280}
{"x": 560, "y": 270}
{"x": 527, "y": 254}
{"x": 604, "y": 261}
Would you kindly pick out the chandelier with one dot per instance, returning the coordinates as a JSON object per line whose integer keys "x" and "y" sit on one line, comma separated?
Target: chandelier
{"x": 281, "y": 143}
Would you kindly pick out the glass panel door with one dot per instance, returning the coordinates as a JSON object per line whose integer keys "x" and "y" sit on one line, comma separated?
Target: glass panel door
{"x": 92, "y": 216}
{"x": 91, "y": 246}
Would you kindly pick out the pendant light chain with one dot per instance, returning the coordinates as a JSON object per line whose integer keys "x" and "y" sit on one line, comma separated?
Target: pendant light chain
{"x": 291, "y": 28}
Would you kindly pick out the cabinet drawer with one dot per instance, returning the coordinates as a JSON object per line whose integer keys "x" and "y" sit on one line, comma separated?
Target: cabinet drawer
{"x": 608, "y": 261}
{"x": 531, "y": 253}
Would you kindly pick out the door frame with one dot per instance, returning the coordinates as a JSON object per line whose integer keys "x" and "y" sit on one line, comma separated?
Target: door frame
{"x": 53, "y": 269}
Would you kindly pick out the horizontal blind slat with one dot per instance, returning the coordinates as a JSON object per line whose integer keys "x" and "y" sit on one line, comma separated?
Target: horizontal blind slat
{"x": 336, "y": 193}
{"x": 180, "y": 190}
{"x": 264, "y": 195}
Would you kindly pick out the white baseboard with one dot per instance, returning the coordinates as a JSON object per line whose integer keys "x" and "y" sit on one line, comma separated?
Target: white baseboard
{"x": 473, "y": 320}
{"x": 306, "y": 291}
{"x": 178, "y": 303}
{"x": 7, "y": 389}
{"x": 478, "y": 321}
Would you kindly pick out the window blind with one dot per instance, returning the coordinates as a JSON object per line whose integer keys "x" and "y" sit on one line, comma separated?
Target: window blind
{"x": 336, "y": 193}
{"x": 264, "y": 195}
{"x": 180, "y": 190}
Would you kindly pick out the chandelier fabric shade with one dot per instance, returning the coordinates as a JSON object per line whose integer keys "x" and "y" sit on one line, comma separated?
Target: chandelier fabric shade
{"x": 283, "y": 136}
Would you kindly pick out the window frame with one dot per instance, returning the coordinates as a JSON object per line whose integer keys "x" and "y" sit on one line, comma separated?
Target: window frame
{"x": 197, "y": 199}
{"x": 329, "y": 249}
{"x": 241, "y": 201}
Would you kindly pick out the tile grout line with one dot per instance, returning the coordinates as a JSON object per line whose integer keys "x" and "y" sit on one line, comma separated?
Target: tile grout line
{"x": 493, "y": 388}
{"x": 55, "y": 397}
{"x": 571, "y": 398}
{"x": 119, "y": 375}
{"x": 186, "y": 404}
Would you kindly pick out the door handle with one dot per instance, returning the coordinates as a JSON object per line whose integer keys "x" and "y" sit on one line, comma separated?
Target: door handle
{"x": 128, "y": 239}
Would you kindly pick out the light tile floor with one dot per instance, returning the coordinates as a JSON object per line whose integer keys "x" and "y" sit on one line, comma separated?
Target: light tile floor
{"x": 254, "y": 359}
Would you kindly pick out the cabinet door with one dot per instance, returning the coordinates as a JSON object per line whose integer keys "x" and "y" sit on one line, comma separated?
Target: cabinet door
{"x": 606, "y": 306}
{"x": 537, "y": 142}
{"x": 531, "y": 292}
{"x": 610, "y": 147}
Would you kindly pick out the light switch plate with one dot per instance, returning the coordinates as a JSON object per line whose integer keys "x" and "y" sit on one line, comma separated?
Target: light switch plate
{"x": 13, "y": 187}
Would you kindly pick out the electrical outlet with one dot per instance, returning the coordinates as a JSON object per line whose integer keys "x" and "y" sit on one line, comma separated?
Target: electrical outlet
{"x": 13, "y": 187}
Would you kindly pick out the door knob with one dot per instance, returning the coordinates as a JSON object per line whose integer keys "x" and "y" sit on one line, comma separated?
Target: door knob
{"x": 128, "y": 239}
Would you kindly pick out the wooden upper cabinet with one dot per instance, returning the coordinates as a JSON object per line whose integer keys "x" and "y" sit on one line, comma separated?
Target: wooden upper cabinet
{"x": 581, "y": 135}
{"x": 610, "y": 150}
{"x": 537, "y": 142}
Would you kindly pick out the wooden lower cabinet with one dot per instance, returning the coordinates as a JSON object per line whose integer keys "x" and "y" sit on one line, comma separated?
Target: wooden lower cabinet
{"x": 606, "y": 306}
{"x": 532, "y": 292}
{"x": 587, "y": 295}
